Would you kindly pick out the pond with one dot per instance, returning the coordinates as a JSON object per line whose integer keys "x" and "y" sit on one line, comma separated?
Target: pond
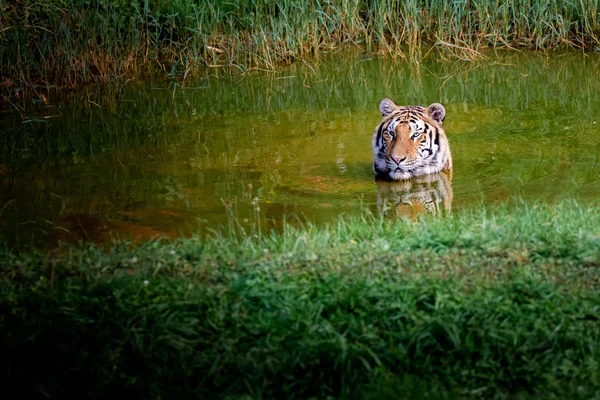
{"x": 257, "y": 150}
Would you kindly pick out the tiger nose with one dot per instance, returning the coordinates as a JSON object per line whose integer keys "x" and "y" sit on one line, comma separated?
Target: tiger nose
{"x": 398, "y": 160}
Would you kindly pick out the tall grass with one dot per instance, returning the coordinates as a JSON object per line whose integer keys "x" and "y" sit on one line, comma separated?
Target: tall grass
{"x": 64, "y": 43}
{"x": 491, "y": 304}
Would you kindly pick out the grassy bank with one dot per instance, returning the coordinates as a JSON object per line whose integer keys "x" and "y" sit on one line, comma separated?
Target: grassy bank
{"x": 66, "y": 43}
{"x": 483, "y": 304}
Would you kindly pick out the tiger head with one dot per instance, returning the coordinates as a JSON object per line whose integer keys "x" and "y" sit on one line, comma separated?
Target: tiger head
{"x": 410, "y": 141}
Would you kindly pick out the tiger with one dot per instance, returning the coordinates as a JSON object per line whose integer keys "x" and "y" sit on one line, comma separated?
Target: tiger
{"x": 410, "y": 141}
{"x": 430, "y": 194}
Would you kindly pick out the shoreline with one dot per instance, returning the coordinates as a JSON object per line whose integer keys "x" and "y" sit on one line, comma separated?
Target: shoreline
{"x": 64, "y": 45}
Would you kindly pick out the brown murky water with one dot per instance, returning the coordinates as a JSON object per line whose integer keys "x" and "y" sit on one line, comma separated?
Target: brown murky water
{"x": 262, "y": 149}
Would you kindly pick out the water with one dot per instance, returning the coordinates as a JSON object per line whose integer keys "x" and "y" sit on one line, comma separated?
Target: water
{"x": 293, "y": 145}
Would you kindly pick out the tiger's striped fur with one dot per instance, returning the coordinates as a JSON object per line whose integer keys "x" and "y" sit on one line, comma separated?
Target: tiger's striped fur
{"x": 410, "y": 141}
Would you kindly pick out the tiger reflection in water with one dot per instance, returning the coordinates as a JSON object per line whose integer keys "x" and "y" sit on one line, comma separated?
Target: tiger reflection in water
{"x": 431, "y": 194}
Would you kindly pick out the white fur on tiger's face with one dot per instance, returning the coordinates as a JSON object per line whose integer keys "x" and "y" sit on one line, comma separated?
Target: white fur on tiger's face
{"x": 410, "y": 141}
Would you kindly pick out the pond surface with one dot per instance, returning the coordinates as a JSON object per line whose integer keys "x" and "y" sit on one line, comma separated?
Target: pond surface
{"x": 261, "y": 149}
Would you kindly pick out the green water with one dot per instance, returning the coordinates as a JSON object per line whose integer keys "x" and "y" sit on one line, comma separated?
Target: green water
{"x": 264, "y": 148}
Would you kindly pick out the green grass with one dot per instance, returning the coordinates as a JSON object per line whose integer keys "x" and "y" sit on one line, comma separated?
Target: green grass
{"x": 67, "y": 43}
{"x": 497, "y": 303}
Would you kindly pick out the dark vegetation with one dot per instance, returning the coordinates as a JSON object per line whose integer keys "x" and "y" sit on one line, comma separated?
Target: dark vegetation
{"x": 488, "y": 304}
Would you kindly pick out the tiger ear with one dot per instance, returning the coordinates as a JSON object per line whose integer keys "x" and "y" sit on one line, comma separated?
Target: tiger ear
{"x": 387, "y": 106}
{"x": 437, "y": 112}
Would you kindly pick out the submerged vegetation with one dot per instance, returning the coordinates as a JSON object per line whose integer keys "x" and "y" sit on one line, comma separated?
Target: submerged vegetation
{"x": 492, "y": 303}
{"x": 65, "y": 43}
